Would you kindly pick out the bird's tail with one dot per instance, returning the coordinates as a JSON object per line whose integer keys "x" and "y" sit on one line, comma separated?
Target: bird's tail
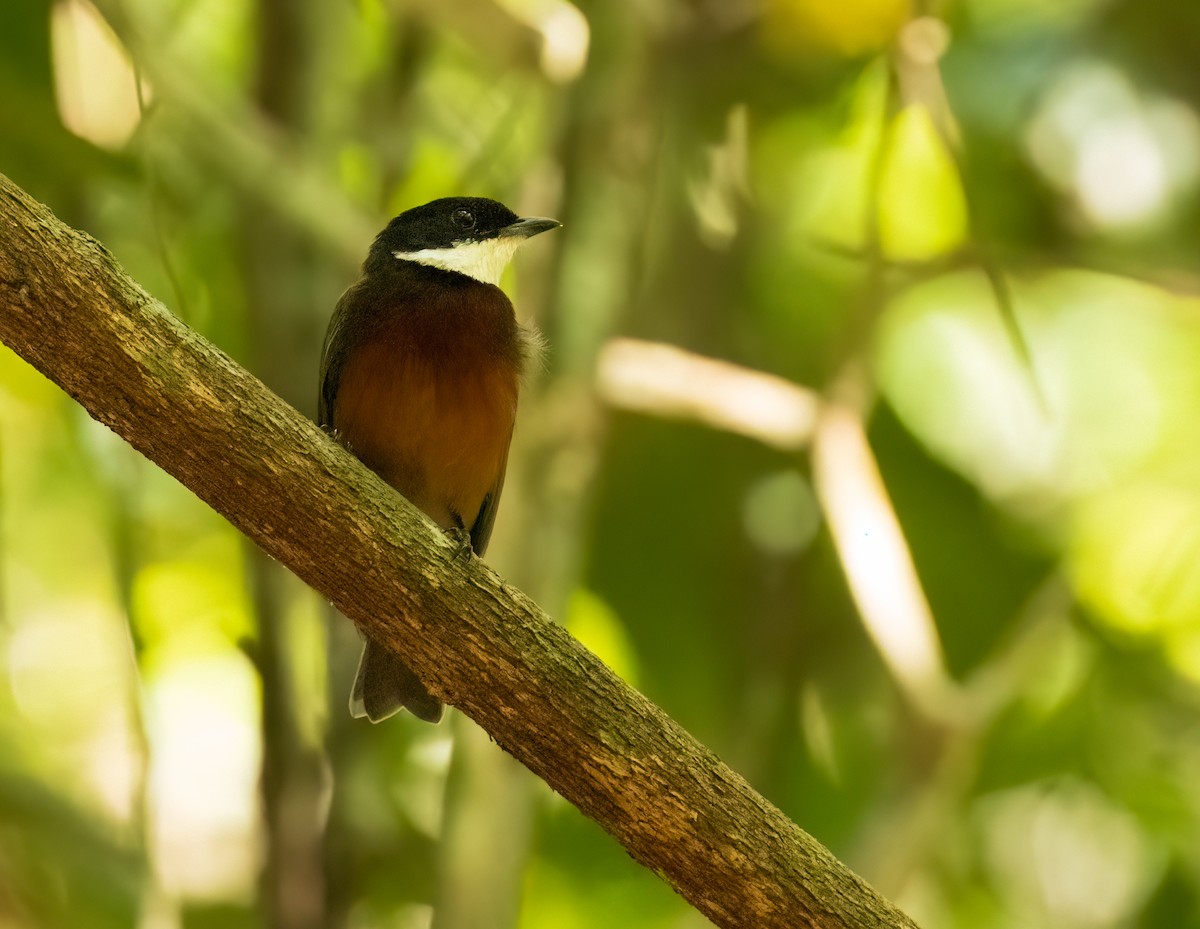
{"x": 384, "y": 685}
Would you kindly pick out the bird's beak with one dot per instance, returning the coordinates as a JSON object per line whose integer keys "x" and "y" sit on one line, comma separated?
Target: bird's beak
{"x": 529, "y": 226}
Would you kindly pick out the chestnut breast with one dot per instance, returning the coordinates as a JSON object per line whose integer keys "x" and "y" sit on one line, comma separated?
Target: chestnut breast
{"x": 427, "y": 391}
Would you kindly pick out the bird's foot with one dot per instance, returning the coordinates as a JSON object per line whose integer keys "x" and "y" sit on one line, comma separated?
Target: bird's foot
{"x": 462, "y": 539}
{"x": 336, "y": 436}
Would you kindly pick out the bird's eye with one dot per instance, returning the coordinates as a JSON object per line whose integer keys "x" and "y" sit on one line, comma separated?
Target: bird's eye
{"x": 464, "y": 219}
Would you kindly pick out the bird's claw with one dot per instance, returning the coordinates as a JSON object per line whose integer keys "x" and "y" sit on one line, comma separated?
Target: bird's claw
{"x": 462, "y": 540}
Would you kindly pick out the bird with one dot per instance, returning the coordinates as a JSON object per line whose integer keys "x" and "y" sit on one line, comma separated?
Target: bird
{"x": 420, "y": 371}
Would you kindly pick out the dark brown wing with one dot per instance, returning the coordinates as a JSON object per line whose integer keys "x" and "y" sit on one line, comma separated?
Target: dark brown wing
{"x": 481, "y": 529}
{"x": 340, "y": 339}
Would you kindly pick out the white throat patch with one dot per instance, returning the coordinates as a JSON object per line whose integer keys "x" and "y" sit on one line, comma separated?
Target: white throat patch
{"x": 485, "y": 260}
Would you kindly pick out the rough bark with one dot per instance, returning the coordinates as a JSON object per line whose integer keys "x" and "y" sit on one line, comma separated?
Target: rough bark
{"x": 68, "y": 308}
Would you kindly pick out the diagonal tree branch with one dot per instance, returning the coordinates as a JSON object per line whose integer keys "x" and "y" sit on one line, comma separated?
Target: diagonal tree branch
{"x": 68, "y": 308}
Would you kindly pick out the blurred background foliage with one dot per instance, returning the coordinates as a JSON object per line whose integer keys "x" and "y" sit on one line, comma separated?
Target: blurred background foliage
{"x": 866, "y": 446}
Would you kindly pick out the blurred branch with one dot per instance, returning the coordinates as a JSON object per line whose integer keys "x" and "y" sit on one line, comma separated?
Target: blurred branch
{"x": 68, "y": 309}
{"x": 662, "y": 380}
{"x": 871, "y": 547}
{"x": 917, "y": 64}
{"x": 875, "y": 556}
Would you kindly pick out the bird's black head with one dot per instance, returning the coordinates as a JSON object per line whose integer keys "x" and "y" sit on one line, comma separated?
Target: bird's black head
{"x": 469, "y": 235}
{"x": 445, "y": 223}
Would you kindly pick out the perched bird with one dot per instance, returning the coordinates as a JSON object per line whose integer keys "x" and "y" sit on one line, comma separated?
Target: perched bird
{"x": 419, "y": 379}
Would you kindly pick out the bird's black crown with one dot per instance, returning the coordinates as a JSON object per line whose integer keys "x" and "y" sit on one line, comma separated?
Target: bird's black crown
{"x": 445, "y": 223}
